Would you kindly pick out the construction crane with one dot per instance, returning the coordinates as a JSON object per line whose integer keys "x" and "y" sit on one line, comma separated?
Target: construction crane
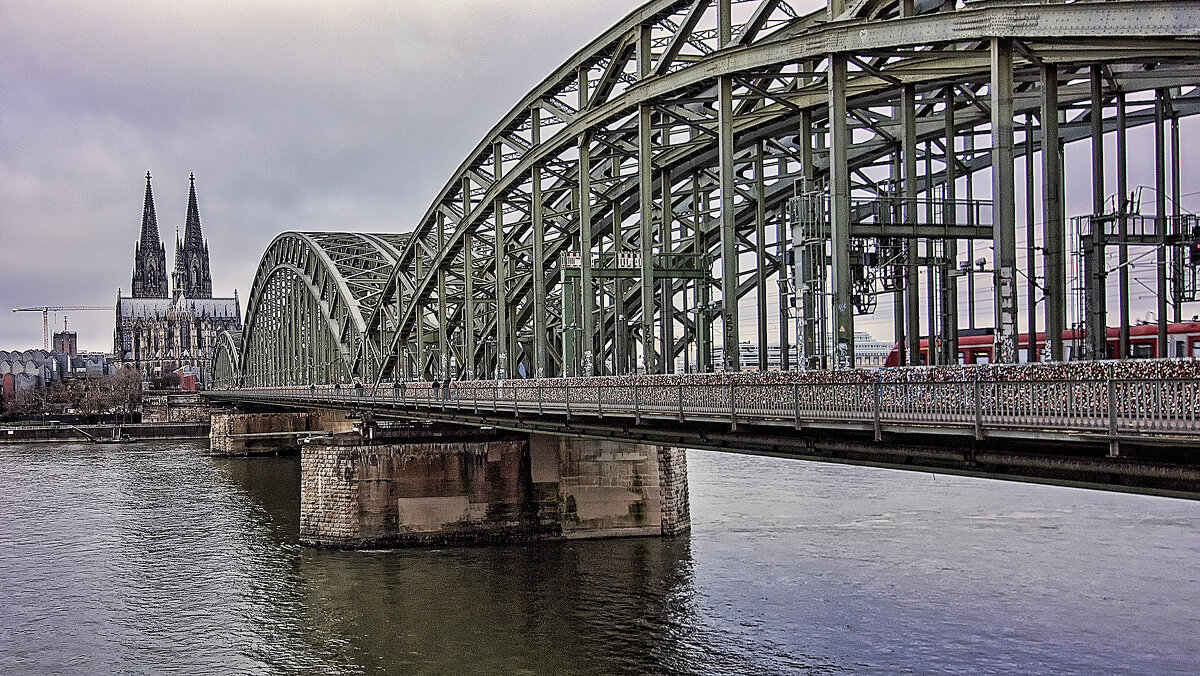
{"x": 47, "y": 309}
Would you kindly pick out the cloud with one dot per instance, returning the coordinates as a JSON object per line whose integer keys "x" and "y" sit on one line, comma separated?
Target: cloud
{"x": 309, "y": 116}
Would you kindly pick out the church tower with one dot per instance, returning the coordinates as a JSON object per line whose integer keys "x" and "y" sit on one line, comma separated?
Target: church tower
{"x": 192, "y": 277}
{"x": 150, "y": 257}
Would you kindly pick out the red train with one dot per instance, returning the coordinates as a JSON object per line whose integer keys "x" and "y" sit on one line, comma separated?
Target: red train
{"x": 975, "y": 345}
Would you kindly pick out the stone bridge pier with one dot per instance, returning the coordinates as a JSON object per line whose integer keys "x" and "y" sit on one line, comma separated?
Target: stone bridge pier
{"x": 449, "y": 485}
{"x": 236, "y": 432}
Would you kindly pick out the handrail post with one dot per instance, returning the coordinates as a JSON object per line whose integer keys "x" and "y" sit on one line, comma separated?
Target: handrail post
{"x": 1114, "y": 446}
{"x": 567, "y": 398}
{"x": 796, "y": 402}
{"x": 732, "y": 410}
{"x": 637, "y": 408}
{"x": 681, "y": 400}
{"x": 978, "y": 412}
{"x": 599, "y": 402}
{"x": 878, "y": 405}
{"x": 539, "y": 399}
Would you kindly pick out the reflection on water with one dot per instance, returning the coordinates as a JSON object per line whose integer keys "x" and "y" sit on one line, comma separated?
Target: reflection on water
{"x": 153, "y": 558}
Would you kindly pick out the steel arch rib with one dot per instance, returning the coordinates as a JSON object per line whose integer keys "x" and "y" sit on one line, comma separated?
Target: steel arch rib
{"x": 227, "y": 359}
{"x": 802, "y": 39}
{"x": 342, "y": 273}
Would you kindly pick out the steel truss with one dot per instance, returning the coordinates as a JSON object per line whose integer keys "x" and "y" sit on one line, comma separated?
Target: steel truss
{"x": 635, "y": 204}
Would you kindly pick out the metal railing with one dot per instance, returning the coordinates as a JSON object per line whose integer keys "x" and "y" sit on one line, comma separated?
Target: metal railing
{"x": 1112, "y": 407}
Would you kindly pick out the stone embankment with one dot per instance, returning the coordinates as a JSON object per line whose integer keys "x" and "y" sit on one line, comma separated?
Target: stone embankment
{"x": 139, "y": 431}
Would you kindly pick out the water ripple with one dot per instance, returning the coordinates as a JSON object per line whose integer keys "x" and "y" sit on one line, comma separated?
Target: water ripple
{"x": 155, "y": 559}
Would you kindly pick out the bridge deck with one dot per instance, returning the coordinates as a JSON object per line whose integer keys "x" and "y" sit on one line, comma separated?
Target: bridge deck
{"x": 1165, "y": 409}
{"x": 1137, "y": 435}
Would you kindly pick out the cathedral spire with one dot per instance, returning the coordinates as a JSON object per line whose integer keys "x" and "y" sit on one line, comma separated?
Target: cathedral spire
{"x": 149, "y": 236}
{"x": 192, "y": 236}
{"x": 193, "y": 279}
{"x": 150, "y": 256}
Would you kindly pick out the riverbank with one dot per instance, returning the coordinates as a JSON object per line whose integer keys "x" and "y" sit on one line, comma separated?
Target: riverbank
{"x": 30, "y": 434}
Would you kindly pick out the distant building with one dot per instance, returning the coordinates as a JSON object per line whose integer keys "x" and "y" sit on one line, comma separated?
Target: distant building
{"x": 23, "y": 370}
{"x": 66, "y": 342}
{"x": 158, "y": 331}
{"x": 868, "y": 353}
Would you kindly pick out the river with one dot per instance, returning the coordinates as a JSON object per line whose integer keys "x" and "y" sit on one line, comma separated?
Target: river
{"x": 156, "y": 559}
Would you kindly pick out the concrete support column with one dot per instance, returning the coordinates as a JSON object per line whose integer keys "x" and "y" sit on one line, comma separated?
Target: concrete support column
{"x": 1003, "y": 200}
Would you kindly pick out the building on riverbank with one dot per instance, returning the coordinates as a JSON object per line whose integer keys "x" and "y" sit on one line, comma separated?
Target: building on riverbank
{"x": 159, "y": 328}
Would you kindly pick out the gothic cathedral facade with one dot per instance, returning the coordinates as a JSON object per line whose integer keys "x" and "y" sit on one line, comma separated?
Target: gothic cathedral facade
{"x": 159, "y": 329}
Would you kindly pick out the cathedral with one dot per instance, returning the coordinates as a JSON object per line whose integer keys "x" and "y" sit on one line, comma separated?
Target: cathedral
{"x": 159, "y": 329}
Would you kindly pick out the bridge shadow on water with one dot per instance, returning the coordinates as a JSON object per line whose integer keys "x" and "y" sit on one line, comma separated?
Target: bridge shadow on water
{"x": 820, "y": 568}
{"x": 581, "y": 606}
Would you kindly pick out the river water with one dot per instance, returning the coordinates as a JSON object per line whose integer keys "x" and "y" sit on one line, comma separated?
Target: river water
{"x": 156, "y": 559}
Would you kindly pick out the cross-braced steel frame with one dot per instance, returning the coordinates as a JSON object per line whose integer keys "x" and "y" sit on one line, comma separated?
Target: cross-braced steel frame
{"x": 713, "y": 171}
{"x": 308, "y": 308}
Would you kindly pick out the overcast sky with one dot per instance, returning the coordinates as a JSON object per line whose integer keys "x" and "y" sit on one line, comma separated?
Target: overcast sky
{"x": 293, "y": 116}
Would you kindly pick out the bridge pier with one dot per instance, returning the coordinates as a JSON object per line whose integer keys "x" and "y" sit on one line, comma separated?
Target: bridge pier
{"x": 451, "y": 486}
{"x": 242, "y": 433}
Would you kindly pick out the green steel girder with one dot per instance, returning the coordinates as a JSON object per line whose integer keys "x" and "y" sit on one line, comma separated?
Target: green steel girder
{"x": 593, "y": 115}
{"x": 705, "y": 99}
{"x": 338, "y": 278}
{"x": 227, "y": 360}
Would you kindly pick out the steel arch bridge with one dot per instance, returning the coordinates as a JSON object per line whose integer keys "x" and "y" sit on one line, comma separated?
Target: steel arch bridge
{"x": 711, "y": 171}
{"x": 306, "y": 319}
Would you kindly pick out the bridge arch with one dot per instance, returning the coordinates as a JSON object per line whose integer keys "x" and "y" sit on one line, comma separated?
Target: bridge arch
{"x": 711, "y": 171}
{"x": 227, "y": 361}
{"x": 636, "y": 207}
{"x": 305, "y": 318}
